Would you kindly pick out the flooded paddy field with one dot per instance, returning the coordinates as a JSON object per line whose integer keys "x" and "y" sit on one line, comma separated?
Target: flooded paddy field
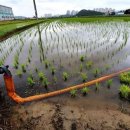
{"x": 56, "y": 55}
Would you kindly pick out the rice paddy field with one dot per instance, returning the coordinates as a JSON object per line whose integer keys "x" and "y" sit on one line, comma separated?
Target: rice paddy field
{"x": 66, "y": 52}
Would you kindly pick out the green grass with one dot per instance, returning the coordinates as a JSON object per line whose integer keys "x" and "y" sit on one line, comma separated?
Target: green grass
{"x": 8, "y": 26}
{"x": 96, "y": 19}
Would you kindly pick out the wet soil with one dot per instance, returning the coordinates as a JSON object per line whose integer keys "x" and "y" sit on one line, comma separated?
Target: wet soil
{"x": 66, "y": 114}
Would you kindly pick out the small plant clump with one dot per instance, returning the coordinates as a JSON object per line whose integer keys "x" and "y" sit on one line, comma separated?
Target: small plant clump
{"x": 46, "y": 62}
{"x": 125, "y": 78}
{"x": 124, "y": 91}
{"x": 82, "y": 58}
{"x": 19, "y": 73}
{"x": 89, "y": 64}
{"x": 53, "y": 70}
{"x": 41, "y": 76}
{"x": 65, "y": 76}
{"x": 45, "y": 82}
{"x": 85, "y": 91}
{"x": 109, "y": 83}
{"x": 73, "y": 93}
{"x": 30, "y": 81}
{"x": 84, "y": 77}
{"x": 97, "y": 86}
{"x": 96, "y": 72}
{"x": 23, "y": 67}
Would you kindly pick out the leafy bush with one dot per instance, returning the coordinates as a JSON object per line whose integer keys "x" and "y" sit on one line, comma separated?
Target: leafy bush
{"x": 65, "y": 76}
{"x": 125, "y": 78}
{"x": 85, "y": 91}
{"x": 73, "y": 93}
{"x": 124, "y": 91}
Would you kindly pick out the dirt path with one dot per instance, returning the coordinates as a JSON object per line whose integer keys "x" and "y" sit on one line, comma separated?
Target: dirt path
{"x": 68, "y": 115}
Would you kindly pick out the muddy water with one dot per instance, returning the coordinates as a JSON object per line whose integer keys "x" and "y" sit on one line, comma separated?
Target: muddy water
{"x": 106, "y": 44}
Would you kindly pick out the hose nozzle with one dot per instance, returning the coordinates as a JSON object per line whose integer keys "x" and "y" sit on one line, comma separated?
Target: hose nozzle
{"x": 4, "y": 70}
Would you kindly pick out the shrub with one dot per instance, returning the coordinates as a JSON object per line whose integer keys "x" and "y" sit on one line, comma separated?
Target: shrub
{"x": 84, "y": 77}
{"x": 109, "y": 83}
{"x": 65, "y": 76}
{"x": 73, "y": 93}
{"x": 85, "y": 91}
{"x": 82, "y": 58}
{"x": 30, "y": 81}
{"x": 125, "y": 78}
{"x": 124, "y": 91}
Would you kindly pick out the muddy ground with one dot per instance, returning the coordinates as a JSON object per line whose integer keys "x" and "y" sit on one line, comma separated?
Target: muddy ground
{"x": 65, "y": 114}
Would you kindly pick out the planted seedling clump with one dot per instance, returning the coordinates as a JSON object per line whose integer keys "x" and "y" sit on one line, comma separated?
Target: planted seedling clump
{"x": 30, "y": 81}
{"x": 19, "y": 73}
{"x": 73, "y": 93}
{"x": 125, "y": 91}
{"x": 84, "y": 77}
{"x": 125, "y": 78}
{"x": 82, "y": 58}
{"x": 85, "y": 91}
{"x": 109, "y": 83}
{"x": 65, "y": 76}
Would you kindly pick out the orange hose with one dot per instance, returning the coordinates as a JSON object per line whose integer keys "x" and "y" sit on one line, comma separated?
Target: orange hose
{"x": 11, "y": 90}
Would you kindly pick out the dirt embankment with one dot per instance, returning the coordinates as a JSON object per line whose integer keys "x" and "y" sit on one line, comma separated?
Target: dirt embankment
{"x": 68, "y": 115}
